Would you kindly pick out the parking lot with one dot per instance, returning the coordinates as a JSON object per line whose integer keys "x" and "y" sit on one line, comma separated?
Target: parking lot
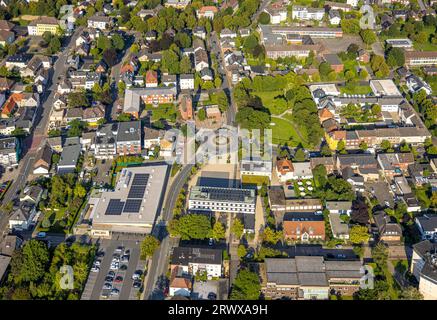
{"x": 103, "y": 175}
{"x": 111, "y": 278}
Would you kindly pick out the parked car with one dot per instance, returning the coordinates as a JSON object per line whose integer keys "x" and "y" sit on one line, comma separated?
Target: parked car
{"x": 41, "y": 235}
{"x": 115, "y": 292}
{"x": 123, "y": 267}
{"x": 137, "y": 284}
{"x": 107, "y": 286}
{"x": 109, "y": 279}
{"x": 137, "y": 274}
{"x": 111, "y": 273}
{"x": 125, "y": 258}
{"x": 95, "y": 269}
{"x": 118, "y": 279}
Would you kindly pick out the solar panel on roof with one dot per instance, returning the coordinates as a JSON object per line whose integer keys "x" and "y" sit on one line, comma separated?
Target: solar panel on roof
{"x": 132, "y": 205}
{"x": 140, "y": 179}
{"x": 115, "y": 207}
{"x": 136, "y": 192}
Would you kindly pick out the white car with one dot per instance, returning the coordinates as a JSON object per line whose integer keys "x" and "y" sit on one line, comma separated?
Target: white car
{"x": 97, "y": 263}
{"x": 95, "y": 269}
{"x": 114, "y": 266}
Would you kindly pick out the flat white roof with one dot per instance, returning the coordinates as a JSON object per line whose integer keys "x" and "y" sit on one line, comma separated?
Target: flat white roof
{"x": 329, "y": 88}
{"x": 384, "y": 87}
{"x": 136, "y": 200}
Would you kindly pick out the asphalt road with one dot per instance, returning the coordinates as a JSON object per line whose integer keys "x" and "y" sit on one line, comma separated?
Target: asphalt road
{"x": 155, "y": 284}
{"x": 37, "y": 137}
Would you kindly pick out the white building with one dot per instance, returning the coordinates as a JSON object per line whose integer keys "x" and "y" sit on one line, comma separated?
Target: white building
{"x": 198, "y": 260}
{"x": 415, "y": 84}
{"x": 277, "y": 14}
{"x": 304, "y": 13}
{"x": 9, "y": 152}
{"x": 215, "y": 199}
{"x": 256, "y": 168}
{"x": 186, "y": 82}
{"x": 427, "y": 225}
{"x": 424, "y": 268}
{"x": 99, "y": 22}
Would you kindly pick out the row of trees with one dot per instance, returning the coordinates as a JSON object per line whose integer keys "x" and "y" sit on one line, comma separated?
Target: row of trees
{"x": 38, "y": 274}
{"x": 196, "y": 226}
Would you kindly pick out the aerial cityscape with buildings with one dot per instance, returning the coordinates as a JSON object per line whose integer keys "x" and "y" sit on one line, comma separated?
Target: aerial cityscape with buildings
{"x": 218, "y": 150}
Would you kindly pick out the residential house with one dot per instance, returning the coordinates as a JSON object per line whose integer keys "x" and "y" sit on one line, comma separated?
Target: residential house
{"x": 99, "y": 21}
{"x": 22, "y": 216}
{"x": 206, "y": 12}
{"x": 277, "y": 12}
{"x": 284, "y": 169}
{"x": 423, "y": 267}
{"x": 152, "y": 138}
{"x": 154, "y": 96}
{"x": 9, "y": 152}
{"x": 180, "y": 283}
{"x": 200, "y": 32}
{"x": 340, "y": 207}
{"x": 303, "y": 226}
{"x": 186, "y": 82}
{"x": 169, "y": 80}
{"x": 178, "y": 4}
{"x": 93, "y": 115}
{"x": 32, "y": 194}
{"x": 304, "y": 13}
{"x": 129, "y": 138}
{"x": 334, "y": 17}
{"x": 427, "y": 225}
{"x": 327, "y": 162}
{"x": 198, "y": 261}
{"x": 55, "y": 143}
{"x": 334, "y": 61}
{"x": 69, "y": 158}
{"x": 393, "y": 164}
{"x": 105, "y": 145}
{"x": 415, "y": 84}
{"x": 44, "y": 160}
{"x": 387, "y": 230}
{"x": 339, "y": 228}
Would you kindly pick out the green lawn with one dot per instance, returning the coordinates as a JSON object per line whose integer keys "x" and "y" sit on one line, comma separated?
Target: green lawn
{"x": 284, "y": 132}
{"x": 268, "y": 100}
{"x": 163, "y": 111}
{"x": 55, "y": 217}
{"x": 255, "y": 180}
{"x": 355, "y": 89}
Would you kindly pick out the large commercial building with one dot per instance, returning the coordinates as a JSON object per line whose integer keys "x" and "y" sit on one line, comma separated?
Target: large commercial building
{"x": 134, "y": 204}
{"x": 215, "y": 199}
{"x": 309, "y": 278}
{"x": 314, "y": 32}
{"x": 420, "y": 58}
{"x": 43, "y": 24}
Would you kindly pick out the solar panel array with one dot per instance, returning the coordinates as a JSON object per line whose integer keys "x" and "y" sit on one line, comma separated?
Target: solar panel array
{"x": 227, "y": 194}
{"x": 115, "y": 207}
{"x": 134, "y": 197}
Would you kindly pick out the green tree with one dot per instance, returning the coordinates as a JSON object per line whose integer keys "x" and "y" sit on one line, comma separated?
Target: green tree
{"x": 218, "y": 231}
{"x": 201, "y": 114}
{"x": 395, "y": 57}
{"x": 411, "y": 293}
{"x": 350, "y": 26}
{"x": 241, "y": 251}
{"x": 237, "y": 228}
{"x": 320, "y": 176}
{"x": 380, "y": 255}
{"x": 368, "y": 36}
{"x": 191, "y": 226}
{"x": 359, "y": 234}
{"x": 124, "y": 117}
{"x": 386, "y": 145}
{"x": 149, "y": 246}
{"x": 30, "y": 263}
{"x": 299, "y": 155}
{"x": 246, "y": 286}
{"x": 271, "y": 236}
{"x": 264, "y": 18}
{"x": 363, "y": 146}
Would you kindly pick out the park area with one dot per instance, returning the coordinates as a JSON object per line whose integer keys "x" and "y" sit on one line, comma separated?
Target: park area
{"x": 283, "y": 132}
{"x": 274, "y": 101}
